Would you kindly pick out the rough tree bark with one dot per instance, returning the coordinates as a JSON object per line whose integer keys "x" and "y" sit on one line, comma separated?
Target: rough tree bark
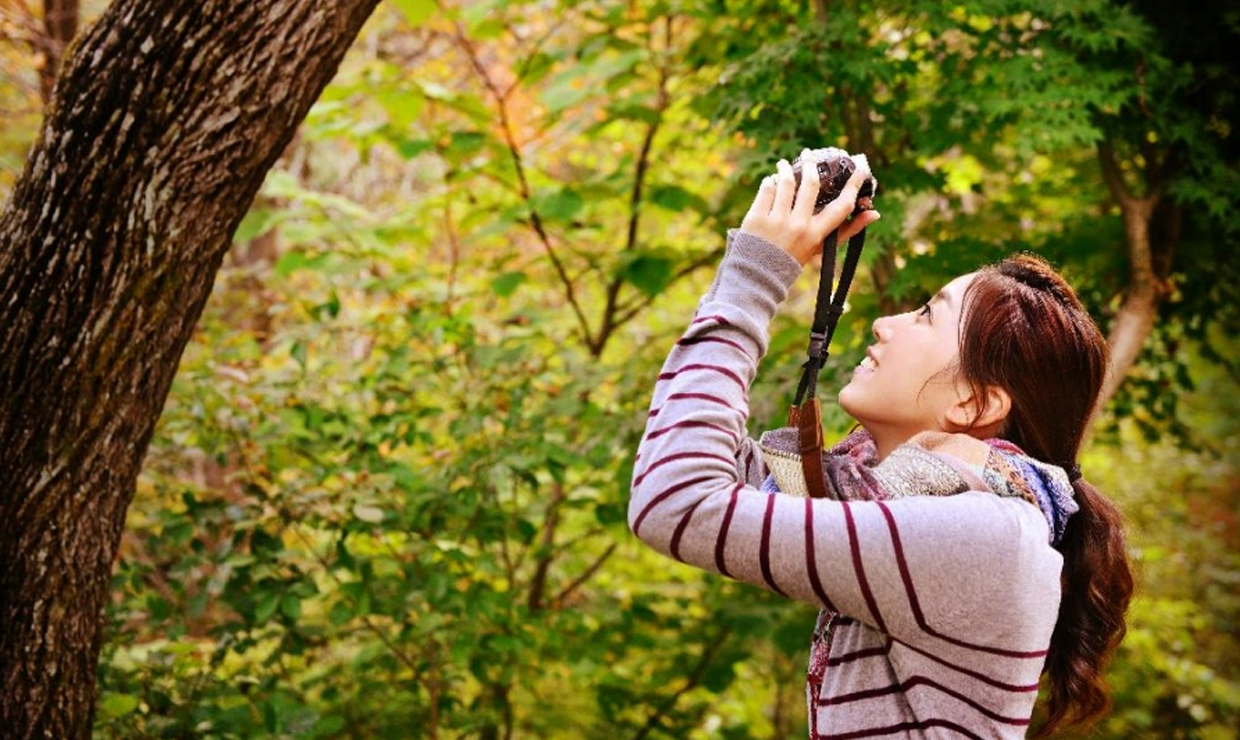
{"x": 164, "y": 121}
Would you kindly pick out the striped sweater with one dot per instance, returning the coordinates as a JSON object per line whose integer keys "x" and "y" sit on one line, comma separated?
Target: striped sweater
{"x": 937, "y": 611}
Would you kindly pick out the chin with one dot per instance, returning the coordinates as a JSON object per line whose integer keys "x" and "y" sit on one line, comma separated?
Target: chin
{"x": 845, "y": 399}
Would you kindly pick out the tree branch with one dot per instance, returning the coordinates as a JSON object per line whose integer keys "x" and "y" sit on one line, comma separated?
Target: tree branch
{"x": 1134, "y": 321}
{"x": 695, "y": 678}
{"x": 559, "y": 599}
{"x": 538, "y": 584}
{"x": 525, "y": 192}
{"x": 642, "y": 168}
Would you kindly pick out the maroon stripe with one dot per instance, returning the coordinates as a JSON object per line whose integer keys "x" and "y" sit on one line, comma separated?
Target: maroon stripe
{"x": 972, "y": 674}
{"x": 876, "y": 652}
{"x": 678, "y": 456}
{"x": 855, "y": 546}
{"x": 860, "y": 655}
{"x": 701, "y": 366}
{"x": 902, "y": 727}
{"x": 812, "y": 563}
{"x": 700, "y": 397}
{"x": 696, "y": 397}
{"x": 913, "y": 682}
{"x": 905, "y": 576}
{"x": 764, "y": 554}
{"x": 663, "y": 495}
{"x": 688, "y": 424}
{"x": 712, "y": 317}
{"x": 711, "y": 339}
{"x": 680, "y": 530}
{"x": 721, "y": 540}
{"x": 750, "y": 459}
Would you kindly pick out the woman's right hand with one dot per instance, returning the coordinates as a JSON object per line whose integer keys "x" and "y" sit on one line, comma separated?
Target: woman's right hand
{"x": 783, "y": 214}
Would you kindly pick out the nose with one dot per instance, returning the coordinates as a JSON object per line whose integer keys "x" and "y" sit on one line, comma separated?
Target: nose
{"x": 882, "y": 328}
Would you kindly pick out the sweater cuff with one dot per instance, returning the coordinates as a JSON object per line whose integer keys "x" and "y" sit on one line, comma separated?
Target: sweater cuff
{"x": 753, "y": 273}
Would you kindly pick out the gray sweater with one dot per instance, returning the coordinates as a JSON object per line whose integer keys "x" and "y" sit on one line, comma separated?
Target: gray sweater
{"x": 937, "y": 611}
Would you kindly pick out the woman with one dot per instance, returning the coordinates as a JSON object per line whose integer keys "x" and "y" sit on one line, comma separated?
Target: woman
{"x": 965, "y": 556}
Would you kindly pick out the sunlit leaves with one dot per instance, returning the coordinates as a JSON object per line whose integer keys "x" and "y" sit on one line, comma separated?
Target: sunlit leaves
{"x": 388, "y": 495}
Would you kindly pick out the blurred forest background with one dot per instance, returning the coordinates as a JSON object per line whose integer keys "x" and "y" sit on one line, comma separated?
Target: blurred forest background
{"x": 387, "y": 495}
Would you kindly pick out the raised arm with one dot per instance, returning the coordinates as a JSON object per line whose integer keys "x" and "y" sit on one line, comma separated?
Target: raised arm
{"x": 899, "y": 566}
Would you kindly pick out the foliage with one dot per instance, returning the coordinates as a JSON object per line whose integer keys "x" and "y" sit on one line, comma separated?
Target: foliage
{"x": 387, "y": 494}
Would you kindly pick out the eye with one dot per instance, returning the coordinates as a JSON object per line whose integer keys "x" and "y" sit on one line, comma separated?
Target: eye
{"x": 925, "y": 310}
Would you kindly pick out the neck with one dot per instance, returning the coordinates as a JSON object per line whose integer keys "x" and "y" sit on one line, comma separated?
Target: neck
{"x": 886, "y": 441}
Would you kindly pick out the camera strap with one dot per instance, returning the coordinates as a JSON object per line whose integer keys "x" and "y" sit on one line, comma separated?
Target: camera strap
{"x": 805, "y": 413}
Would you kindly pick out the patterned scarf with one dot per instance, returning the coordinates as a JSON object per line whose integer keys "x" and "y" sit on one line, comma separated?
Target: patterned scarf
{"x": 930, "y": 464}
{"x": 937, "y": 464}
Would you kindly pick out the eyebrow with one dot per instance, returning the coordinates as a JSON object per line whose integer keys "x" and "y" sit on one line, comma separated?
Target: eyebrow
{"x": 943, "y": 296}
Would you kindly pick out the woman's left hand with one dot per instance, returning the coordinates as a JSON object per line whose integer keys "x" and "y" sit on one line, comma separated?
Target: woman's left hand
{"x": 783, "y": 214}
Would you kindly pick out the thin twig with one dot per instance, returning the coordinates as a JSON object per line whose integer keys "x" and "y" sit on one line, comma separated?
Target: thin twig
{"x": 538, "y": 583}
{"x": 558, "y": 600}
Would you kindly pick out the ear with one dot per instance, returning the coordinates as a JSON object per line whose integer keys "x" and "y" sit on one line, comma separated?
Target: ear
{"x": 983, "y": 411}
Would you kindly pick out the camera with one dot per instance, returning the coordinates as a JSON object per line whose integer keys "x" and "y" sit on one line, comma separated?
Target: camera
{"x": 834, "y": 169}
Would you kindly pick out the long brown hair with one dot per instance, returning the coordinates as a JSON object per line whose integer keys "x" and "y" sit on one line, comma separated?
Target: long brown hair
{"x": 1026, "y": 331}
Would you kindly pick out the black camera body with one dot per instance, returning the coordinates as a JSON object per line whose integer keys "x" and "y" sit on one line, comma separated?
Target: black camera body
{"x": 835, "y": 166}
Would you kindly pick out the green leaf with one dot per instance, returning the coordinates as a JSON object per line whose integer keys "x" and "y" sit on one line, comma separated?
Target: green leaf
{"x": 410, "y": 148}
{"x": 649, "y": 273}
{"x": 718, "y": 676}
{"x": 291, "y": 262}
{"x": 466, "y": 142}
{"x": 290, "y": 606}
{"x": 266, "y": 604}
{"x": 676, "y": 198}
{"x": 256, "y": 223}
{"x": 403, "y": 107}
{"x": 416, "y": 12}
{"x": 505, "y": 285}
{"x": 299, "y": 353}
{"x": 118, "y": 705}
{"x": 561, "y": 204}
{"x": 610, "y": 513}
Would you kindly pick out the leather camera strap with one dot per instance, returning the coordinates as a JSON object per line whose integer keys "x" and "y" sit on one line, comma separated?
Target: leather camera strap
{"x": 806, "y": 414}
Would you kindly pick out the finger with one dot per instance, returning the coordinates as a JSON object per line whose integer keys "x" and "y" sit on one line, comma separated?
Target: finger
{"x": 858, "y": 222}
{"x": 785, "y": 187}
{"x": 807, "y": 193}
{"x": 762, "y": 200}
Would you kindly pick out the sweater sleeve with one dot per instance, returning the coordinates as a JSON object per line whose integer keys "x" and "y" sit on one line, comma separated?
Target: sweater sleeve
{"x": 900, "y": 566}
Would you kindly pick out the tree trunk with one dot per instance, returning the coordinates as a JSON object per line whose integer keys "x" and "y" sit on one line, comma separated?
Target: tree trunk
{"x": 60, "y": 25}
{"x": 1148, "y": 263}
{"x": 165, "y": 121}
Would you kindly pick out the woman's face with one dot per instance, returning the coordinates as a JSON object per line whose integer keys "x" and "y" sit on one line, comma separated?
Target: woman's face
{"x": 908, "y": 381}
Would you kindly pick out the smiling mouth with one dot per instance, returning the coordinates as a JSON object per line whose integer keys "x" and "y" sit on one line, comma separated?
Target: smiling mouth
{"x": 867, "y": 363}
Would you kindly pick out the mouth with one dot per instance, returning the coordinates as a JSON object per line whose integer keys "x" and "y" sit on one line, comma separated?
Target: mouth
{"x": 868, "y": 363}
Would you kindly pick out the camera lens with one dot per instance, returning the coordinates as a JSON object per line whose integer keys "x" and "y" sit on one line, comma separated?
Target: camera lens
{"x": 834, "y": 169}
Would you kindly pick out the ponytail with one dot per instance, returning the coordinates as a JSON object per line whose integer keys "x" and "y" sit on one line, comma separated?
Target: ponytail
{"x": 1027, "y": 332}
{"x": 1097, "y": 586}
